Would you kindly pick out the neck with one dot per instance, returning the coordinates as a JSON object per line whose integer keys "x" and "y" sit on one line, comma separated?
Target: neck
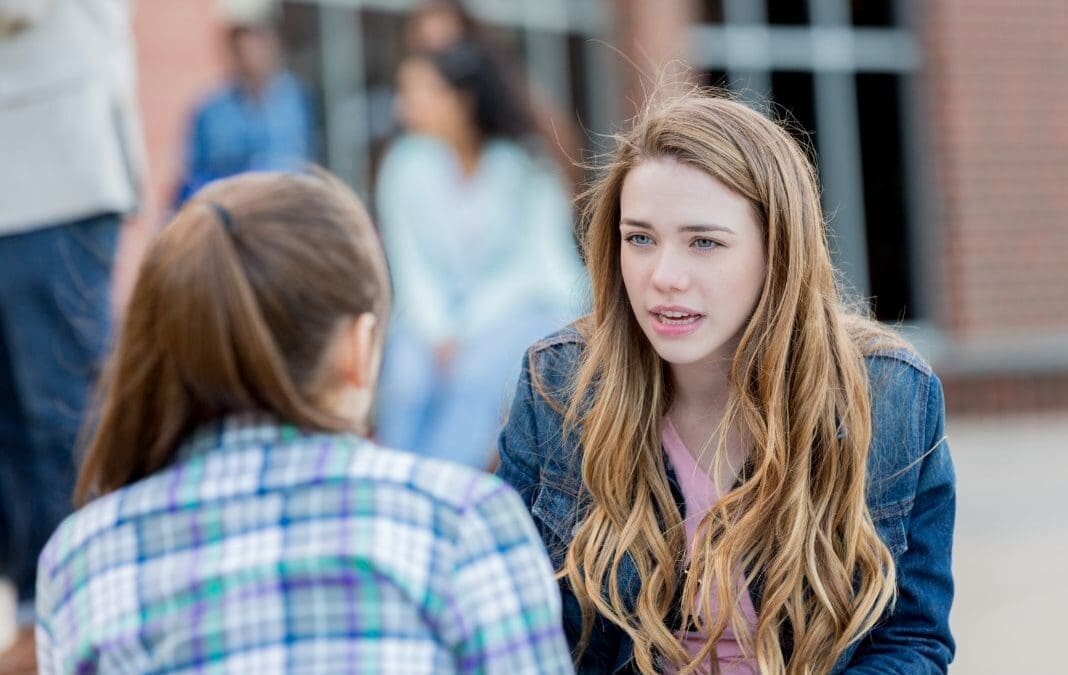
{"x": 468, "y": 149}
{"x": 253, "y": 88}
{"x": 701, "y": 387}
{"x": 700, "y": 401}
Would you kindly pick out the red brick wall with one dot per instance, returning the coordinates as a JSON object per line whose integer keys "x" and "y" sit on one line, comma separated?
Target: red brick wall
{"x": 997, "y": 85}
{"x": 653, "y": 35}
{"x": 1005, "y": 393}
{"x": 179, "y": 57}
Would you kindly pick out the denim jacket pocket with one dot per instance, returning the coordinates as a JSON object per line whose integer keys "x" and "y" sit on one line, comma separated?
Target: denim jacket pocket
{"x": 890, "y": 524}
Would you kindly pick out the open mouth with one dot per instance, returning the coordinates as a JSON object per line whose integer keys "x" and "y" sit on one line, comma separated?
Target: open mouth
{"x": 676, "y": 318}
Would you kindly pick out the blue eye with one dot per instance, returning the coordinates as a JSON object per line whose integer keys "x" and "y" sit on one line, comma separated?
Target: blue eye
{"x": 639, "y": 239}
{"x": 704, "y": 243}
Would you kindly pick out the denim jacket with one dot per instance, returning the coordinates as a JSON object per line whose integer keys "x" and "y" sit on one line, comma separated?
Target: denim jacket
{"x": 911, "y": 495}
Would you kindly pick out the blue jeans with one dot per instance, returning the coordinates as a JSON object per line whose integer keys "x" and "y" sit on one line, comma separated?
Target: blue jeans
{"x": 54, "y": 327}
{"x": 457, "y": 413}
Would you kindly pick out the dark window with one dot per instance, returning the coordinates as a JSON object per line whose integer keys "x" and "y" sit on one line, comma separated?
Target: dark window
{"x": 576, "y": 50}
{"x": 710, "y": 11}
{"x": 715, "y": 78}
{"x": 874, "y": 13}
{"x": 795, "y": 105}
{"x": 383, "y": 46}
{"x": 299, "y": 33}
{"x": 788, "y": 12}
{"x": 885, "y": 207}
{"x": 383, "y": 51}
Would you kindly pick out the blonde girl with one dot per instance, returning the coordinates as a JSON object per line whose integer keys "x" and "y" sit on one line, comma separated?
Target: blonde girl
{"x": 733, "y": 472}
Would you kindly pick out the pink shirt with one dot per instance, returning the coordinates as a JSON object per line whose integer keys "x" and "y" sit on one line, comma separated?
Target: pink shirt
{"x": 699, "y": 493}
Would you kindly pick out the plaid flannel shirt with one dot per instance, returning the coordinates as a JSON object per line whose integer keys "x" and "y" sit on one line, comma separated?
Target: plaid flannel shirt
{"x": 263, "y": 549}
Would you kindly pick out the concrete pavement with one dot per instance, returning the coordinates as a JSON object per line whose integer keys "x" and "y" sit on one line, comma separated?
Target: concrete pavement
{"x": 1011, "y": 552}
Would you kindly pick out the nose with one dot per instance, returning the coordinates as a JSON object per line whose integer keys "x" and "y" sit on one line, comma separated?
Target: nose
{"x": 670, "y": 274}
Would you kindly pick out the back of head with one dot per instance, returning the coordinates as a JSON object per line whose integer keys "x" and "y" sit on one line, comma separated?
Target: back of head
{"x": 234, "y": 306}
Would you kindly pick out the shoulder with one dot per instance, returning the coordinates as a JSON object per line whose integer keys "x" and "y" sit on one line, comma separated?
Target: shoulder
{"x": 319, "y": 475}
{"x": 908, "y": 416}
{"x": 551, "y": 364}
{"x": 94, "y": 521}
{"x": 218, "y": 102}
{"x": 902, "y": 385}
{"x": 898, "y": 357}
{"x": 464, "y": 514}
{"x": 515, "y": 160}
{"x": 441, "y": 485}
{"x": 412, "y": 160}
{"x": 99, "y": 538}
{"x": 561, "y": 350}
{"x": 413, "y": 148}
{"x": 505, "y": 151}
{"x": 536, "y": 435}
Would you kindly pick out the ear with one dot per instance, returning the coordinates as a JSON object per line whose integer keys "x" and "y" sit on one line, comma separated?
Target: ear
{"x": 361, "y": 351}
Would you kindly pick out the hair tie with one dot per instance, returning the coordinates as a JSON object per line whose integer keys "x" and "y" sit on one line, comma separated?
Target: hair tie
{"x": 224, "y": 217}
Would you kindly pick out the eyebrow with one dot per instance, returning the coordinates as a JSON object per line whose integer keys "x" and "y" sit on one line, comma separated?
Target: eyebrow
{"x": 700, "y": 227}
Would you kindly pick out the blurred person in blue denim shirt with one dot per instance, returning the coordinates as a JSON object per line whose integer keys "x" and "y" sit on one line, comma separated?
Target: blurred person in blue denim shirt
{"x": 261, "y": 121}
{"x": 70, "y": 168}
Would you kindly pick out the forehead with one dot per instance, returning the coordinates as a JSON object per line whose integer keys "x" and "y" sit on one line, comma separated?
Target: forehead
{"x": 665, "y": 192}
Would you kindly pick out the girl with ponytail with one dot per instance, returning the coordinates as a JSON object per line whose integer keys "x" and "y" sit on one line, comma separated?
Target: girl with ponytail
{"x": 235, "y": 518}
{"x": 733, "y": 472}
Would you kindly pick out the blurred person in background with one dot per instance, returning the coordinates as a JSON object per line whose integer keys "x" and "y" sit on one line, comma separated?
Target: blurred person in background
{"x": 435, "y": 25}
{"x": 70, "y": 167}
{"x": 262, "y": 120}
{"x": 477, "y": 224}
{"x": 235, "y": 517}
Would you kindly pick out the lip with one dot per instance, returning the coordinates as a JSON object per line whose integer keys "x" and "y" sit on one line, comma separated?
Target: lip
{"x": 671, "y": 329}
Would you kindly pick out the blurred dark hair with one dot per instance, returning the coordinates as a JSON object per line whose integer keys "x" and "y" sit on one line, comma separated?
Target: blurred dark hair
{"x": 236, "y": 31}
{"x": 499, "y": 110}
{"x": 469, "y": 27}
{"x": 235, "y": 304}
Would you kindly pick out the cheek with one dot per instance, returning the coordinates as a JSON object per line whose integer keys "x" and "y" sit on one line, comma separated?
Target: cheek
{"x": 630, "y": 270}
{"x": 758, "y": 271}
{"x": 750, "y": 286}
{"x": 738, "y": 287}
{"x": 454, "y": 114}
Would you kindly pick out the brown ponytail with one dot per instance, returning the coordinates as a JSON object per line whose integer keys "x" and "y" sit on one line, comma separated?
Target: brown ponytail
{"x": 234, "y": 306}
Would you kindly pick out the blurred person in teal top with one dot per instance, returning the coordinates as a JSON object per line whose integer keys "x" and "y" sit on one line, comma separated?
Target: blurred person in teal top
{"x": 477, "y": 225}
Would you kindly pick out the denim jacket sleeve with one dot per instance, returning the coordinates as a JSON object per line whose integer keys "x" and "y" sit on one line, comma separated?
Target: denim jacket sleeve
{"x": 518, "y": 441}
{"x": 915, "y": 637}
{"x": 538, "y": 461}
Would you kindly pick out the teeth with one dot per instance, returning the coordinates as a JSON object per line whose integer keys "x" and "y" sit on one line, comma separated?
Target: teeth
{"x": 677, "y": 318}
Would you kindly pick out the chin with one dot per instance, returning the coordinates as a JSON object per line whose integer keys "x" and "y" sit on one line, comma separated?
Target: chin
{"x": 680, "y": 354}
{"x": 693, "y": 351}
{"x": 680, "y": 357}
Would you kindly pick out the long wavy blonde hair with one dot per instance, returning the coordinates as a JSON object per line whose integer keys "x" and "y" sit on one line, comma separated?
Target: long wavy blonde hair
{"x": 798, "y": 520}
